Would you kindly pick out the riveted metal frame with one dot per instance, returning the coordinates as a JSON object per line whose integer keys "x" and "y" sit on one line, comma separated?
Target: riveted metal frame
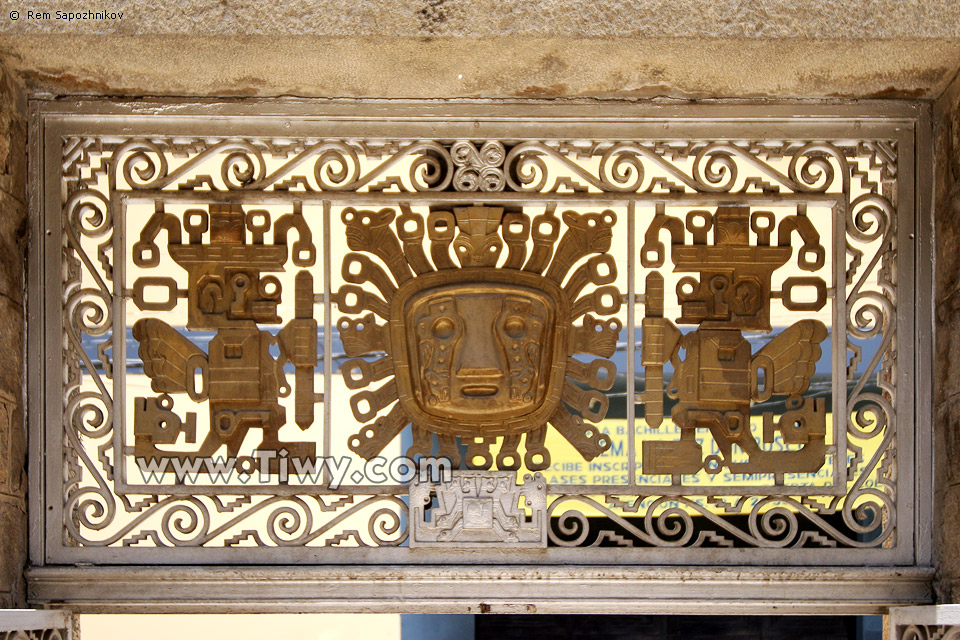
{"x": 906, "y": 122}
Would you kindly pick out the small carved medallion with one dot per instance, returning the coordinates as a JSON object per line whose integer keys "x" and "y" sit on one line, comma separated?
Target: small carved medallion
{"x": 478, "y": 509}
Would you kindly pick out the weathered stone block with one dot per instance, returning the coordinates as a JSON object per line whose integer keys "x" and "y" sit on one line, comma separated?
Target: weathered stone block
{"x": 13, "y": 554}
{"x": 428, "y": 65}
{"x": 947, "y": 515}
{"x": 947, "y": 441}
{"x": 947, "y": 327}
{"x": 946, "y": 425}
{"x": 947, "y": 145}
{"x": 11, "y": 346}
{"x": 13, "y": 137}
{"x": 13, "y": 235}
{"x": 947, "y": 228}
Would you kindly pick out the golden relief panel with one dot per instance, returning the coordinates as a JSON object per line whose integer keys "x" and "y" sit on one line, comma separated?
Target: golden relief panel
{"x": 719, "y": 377}
{"x": 230, "y": 290}
{"x": 478, "y": 351}
{"x": 481, "y": 352}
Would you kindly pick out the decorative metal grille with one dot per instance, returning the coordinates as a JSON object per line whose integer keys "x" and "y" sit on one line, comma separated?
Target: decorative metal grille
{"x": 689, "y": 331}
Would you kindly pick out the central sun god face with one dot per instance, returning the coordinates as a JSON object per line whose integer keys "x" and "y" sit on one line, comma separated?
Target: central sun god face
{"x": 477, "y": 349}
{"x": 488, "y": 353}
{"x": 478, "y": 353}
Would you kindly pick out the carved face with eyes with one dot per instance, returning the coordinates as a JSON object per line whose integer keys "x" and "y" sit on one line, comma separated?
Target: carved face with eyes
{"x": 480, "y": 350}
{"x": 485, "y": 349}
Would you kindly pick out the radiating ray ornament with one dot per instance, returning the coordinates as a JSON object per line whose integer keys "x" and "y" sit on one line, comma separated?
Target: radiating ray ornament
{"x": 483, "y": 351}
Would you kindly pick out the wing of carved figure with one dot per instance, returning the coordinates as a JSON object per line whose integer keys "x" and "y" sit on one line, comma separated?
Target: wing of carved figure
{"x": 169, "y": 359}
{"x": 790, "y": 359}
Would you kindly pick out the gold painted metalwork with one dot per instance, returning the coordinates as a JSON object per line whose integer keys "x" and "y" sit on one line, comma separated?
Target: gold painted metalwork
{"x": 480, "y": 352}
{"x": 230, "y": 290}
{"x": 719, "y": 377}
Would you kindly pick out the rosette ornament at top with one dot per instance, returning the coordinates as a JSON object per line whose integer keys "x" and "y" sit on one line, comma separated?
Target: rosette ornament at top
{"x": 478, "y": 169}
{"x": 482, "y": 350}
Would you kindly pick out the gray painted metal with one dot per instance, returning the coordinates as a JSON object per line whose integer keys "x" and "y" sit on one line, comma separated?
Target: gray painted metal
{"x": 486, "y": 589}
{"x": 37, "y": 621}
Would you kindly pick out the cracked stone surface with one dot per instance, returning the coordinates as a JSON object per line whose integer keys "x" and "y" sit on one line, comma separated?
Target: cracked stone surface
{"x": 946, "y": 446}
{"x": 13, "y": 437}
{"x": 488, "y": 48}
{"x": 817, "y": 19}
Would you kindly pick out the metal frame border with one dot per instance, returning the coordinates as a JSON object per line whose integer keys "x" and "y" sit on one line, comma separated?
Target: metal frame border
{"x": 465, "y": 587}
{"x": 486, "y": 589}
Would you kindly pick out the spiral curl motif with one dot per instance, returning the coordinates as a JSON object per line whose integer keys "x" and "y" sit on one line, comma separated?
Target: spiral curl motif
{"x": 186, "y": 522}
{"x": 90, "y": 508}
{"x": 492, "y": 179}
{"x": 466, "y": 179}
{"x": 715, "y": 169}
{"x": 915, "y": 632}
{"x": 464, "y": 154}
{"x": 869, "y": 217}
{"x": 388, "y": 522}
{"x": 143, "y": 164}
{"x": 772, "y": 524}
{"x": 870, "y": 511}
{"x": 672, "y": 527}
{"x": 285, "y": 521}
{"x": 813, "y": 168}
{"x": 337, "y": 167}
{"x": 90, "y": 414}
{"x": 573, "y": 525}
{"x": 432, "y": 170}
{"x": 492, "y": 153}
{"x": 870, "y": 417}
{"x": 90, "y": 311}
{"x": 870, "y": 313}
{"x": 621, "y": 168}
{"x": 88, "y": 213}
{"x": 243, "y": 167}
{"x": 526, "y": 170}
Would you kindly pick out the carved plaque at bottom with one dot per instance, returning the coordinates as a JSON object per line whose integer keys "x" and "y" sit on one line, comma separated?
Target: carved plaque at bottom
{"x": 478, "y": 509}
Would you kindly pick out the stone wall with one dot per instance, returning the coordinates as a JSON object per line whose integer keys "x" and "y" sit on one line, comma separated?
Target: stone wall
{"x": 491, "y": 67}
{"x": 946, "y": 524}
{"x": 13, "y": 437}
{"x": 486, "y": 48}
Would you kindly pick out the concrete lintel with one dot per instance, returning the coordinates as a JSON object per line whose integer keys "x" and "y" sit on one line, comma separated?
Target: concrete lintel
{"x": 501, "y": 66}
